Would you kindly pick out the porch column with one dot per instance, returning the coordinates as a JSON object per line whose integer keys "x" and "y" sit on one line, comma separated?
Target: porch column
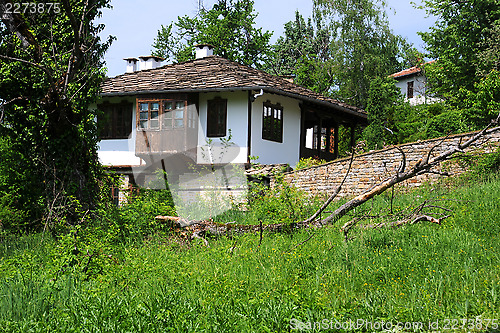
{"x": 318, "y": 137}
{"x": 336, "y": 141}
{"x": 302, "y": 143}
{"x": 353, "y": 129}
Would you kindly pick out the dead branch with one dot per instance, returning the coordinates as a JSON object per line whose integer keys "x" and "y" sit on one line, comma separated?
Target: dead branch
{"x": 424, "y": 165}
{"x": 414, "y": 220}
{"x": 334, "y": 195}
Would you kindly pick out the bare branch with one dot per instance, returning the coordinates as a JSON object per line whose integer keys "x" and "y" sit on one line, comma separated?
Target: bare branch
{"x": 421, "y": 167}
{"x": 43, "y": 68}
{"x": 334, "y": 195}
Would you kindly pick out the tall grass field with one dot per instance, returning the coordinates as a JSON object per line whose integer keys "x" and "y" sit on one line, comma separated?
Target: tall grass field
{"x": 415, "y": 278}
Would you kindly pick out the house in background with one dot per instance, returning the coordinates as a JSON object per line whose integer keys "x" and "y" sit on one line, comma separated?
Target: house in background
{"x": 413, "y": 85}
{"x": 213, "y": 111}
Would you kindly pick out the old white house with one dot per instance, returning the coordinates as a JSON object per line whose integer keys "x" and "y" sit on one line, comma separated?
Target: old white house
{"x": 212, "y": 112}
{"x": 413, "y": 85}
{"x": 176, "y": 109}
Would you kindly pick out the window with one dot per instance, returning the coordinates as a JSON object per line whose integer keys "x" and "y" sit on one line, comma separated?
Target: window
{"x": 216, "y": 117}
{"x": 149, "y": 113}
{"x": 173, "y": 116}
{"x": 272, "y": 122}
{"x": 115, "y": 120}
{"x": 409, "y": 90}
{"x": 160, "y": 114}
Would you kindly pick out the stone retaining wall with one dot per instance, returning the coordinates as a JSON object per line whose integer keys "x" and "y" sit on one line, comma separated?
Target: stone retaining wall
{"x": 370, "y": 168}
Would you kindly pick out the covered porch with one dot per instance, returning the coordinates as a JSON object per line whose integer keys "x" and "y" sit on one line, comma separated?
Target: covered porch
{"x": 327, "y": 134}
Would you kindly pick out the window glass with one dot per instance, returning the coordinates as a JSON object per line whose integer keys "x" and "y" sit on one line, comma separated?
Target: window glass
{"x": 179, "y": 123}
{"x": 216, "y": 117}
{"x": 161, "y": 114}
{"x": 115, "y": 120}
{"x": 272, "y": 122}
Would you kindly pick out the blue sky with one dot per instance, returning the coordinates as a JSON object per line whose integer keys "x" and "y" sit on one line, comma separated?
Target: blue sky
{"x": 135, "y": 23}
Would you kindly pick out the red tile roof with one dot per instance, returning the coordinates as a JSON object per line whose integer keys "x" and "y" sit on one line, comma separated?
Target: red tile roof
{"x": 215, "y": 73}
{"x": 410, "y": 71}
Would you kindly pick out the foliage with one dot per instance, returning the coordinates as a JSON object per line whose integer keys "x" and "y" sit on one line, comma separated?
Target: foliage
{"x": 483, "y": 105}
{"x": 51, "y": 70}
{"x": 416, "y": 273}
{"x": 363, "y": 46}
{"x": 280, "y": 203}
{"x": 304, "y": 53}
{"x": 16, "y": 204}
{"x": 137, "y": 217}
{"x": 229, "y": 26}
{"x": 308, "y": 162}
{"x": 450, "y": 122}
{"x": 460, "y": 38}
{"x": 489, "y": 57}
{"x": 384, "y": 101}
{"x": 483, "y": 165}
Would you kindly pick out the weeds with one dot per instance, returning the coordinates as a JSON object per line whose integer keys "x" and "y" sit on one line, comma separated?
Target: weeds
{"x": 415, "y": 273}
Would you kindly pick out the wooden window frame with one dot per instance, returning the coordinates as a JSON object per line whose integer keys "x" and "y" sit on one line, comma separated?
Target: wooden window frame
{"x": 216, "y": 117}
{"x": 116, "y": 128}
{"x": 410, "y": 89}
{"x": 162, "y": 112}
{"x": 272, "y": 122}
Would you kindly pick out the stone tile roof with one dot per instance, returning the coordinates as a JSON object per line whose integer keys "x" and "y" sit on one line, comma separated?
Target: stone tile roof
{"x": 214, "y": 73}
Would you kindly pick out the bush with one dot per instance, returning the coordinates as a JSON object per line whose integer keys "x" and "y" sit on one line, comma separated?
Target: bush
{"x": 137, "y": 216}
{"x": 18, "y": 203}
{"x": 483, "y": 165}
{"x": 280, "y": 204}
{"x": 450, "y": 122}
{"x": 309, "y": 162}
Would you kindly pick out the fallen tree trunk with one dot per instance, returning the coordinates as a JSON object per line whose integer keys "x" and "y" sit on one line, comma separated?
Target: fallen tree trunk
{"x": 219, "y": 229}
{"x": 424, "y": 165}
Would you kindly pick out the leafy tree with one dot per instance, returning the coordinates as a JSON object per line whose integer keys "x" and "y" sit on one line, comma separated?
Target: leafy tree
{"x": 489, "y": 57}
{"x": 483, "y": 104}
{"x": 229, "y": 26}
{"x": 304, "y": 52}
{"x": 363, "y": 46}
{"x": 458, "y": 40}
{"x": 384, "y": 100}
{"x": 50, "y": 73}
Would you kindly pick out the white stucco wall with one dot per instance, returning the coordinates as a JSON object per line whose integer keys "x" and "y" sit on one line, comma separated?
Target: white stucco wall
{"x": 237, "y": 116}
{"x": 122, "y": 152}
{"x": 271, "y": 152}
{"x": 420, "y": 95}
{"x": 119, "y": 152}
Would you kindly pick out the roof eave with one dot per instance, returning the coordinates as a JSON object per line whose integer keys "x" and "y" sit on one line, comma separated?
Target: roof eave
{"x": 265, "y": 88}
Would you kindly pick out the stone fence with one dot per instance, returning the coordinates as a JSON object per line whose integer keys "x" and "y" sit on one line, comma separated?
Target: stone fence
{"x": 370, "y": 168}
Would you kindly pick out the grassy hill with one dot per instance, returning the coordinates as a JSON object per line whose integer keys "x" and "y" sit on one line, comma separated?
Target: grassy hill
{"x": 419, "y": 275}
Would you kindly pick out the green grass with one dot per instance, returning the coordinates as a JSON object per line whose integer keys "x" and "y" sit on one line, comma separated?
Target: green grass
{"x": 415, "y": 273}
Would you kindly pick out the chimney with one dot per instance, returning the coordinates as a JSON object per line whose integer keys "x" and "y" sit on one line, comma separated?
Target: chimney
{"x": 149, "y": 62}
{"x": 204, "y": 50}
{"x": 131, "y": 64}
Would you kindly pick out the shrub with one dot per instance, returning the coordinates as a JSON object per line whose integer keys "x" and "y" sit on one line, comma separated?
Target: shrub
{"x": 446, "y": 123}
{"x": 137, "y": 216}
{"x": 309, "y": 162}
{"x": 281, "y": 204}
{"x": 483, "y": 165}
{"x": 18, "y": 203}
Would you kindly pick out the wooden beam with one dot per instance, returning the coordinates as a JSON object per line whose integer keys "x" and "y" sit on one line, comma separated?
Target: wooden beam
{"x": 336, "y": 141}
{"x": 302, "y": 142}
{"x": 353, "y": 138}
